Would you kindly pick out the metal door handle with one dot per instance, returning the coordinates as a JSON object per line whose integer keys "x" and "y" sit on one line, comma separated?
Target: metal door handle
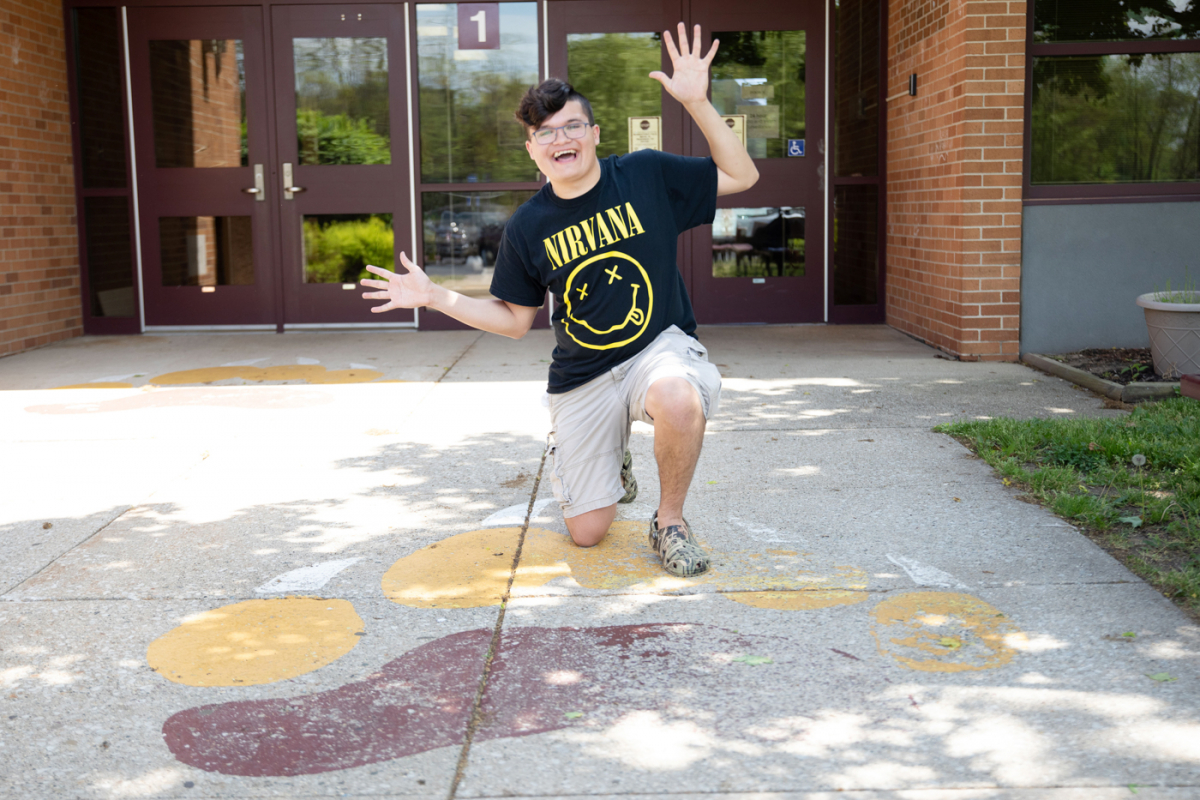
{"x": 259, "y": 190}
{"x": 289, "y": 187}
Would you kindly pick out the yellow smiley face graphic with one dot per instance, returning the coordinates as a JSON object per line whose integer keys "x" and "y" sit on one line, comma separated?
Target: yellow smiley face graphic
{"x": 608, "y": 302}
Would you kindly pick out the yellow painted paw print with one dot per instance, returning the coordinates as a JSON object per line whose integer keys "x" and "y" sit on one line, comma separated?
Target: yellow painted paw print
{"x": 256, "y": 641}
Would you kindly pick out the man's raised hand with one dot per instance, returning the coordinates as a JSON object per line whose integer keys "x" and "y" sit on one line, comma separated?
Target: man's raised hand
{"x": 689, "y": 79}
{"x": 412, "y": 290}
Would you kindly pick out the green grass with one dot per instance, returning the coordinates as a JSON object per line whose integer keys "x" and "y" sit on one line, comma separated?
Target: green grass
{"x": 1091, "y": 473}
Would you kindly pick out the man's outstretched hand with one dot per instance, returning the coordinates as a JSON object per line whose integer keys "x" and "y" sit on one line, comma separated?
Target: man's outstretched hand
{"x": 689, "y": 79}
{"x": 412, "y": 290}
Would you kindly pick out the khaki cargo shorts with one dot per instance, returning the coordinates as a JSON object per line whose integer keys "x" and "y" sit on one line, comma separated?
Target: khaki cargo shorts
{"x": 591, "y": 423}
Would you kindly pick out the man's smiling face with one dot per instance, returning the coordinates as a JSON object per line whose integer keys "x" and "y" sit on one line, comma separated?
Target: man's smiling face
{"x": 569, "y": 164}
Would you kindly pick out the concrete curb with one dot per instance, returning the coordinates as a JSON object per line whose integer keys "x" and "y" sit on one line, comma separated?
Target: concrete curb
{"x": 1133, "y": 393}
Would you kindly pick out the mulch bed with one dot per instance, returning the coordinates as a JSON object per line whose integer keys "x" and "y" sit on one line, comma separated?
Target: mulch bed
{"x": 1123, "y": 365}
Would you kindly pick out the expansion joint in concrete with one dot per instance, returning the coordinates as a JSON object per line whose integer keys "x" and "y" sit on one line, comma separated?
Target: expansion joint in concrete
{"x": 461, "y": 356}
{"x": 476, "y": 708}
{"x": 81, "y": 542}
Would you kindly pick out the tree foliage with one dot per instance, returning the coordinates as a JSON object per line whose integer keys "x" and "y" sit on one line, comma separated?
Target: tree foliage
{"x": 1115, "y": 20}
{"x": 339, "y": 139}
{"x": 1116, "y": 119}
{"x": 342, "y": 111}
{"x": 612, "y": 71}
{"x": 338, "y": 250}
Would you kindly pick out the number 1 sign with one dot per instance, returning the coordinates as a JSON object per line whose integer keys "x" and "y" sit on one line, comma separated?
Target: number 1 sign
{"x": 478, "y": 26}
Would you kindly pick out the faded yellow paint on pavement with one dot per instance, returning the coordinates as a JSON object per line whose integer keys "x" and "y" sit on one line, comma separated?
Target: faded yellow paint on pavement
{"x": 472, "y": 569}
{"x": 256, "y": 641}
{"x": 468, "y": 570}
{"x": 622, "y": 561}
{"x": 944, "y": 632}
{"x": 308, "y": 373}
{"x": 798, "y": 600}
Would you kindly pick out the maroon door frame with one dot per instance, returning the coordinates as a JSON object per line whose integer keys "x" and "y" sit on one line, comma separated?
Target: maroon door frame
{"x": 875, "y": 313}
{"x": 433, "y": 320}
{"x": 340, "y": 189}
{"x": 782, "y": 181}
{"x": 93, "y": 324}
{"x": 203, "y": 191}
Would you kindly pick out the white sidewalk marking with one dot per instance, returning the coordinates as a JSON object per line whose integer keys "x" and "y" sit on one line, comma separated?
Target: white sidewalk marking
{"x": 513, "y": 515}
{"x": 925, "y": 575}
{"x": 305, "y": 579}
{"x": 755, "y": 531}
{"x": 307, "y": 361}
{"x": 250, "y": 362}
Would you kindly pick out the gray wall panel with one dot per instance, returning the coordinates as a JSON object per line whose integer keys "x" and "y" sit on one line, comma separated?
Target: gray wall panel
{"x": 1083, "y": 266}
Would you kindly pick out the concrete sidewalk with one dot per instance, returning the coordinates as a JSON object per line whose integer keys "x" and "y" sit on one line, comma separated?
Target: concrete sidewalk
{"x": 329, "y": 565}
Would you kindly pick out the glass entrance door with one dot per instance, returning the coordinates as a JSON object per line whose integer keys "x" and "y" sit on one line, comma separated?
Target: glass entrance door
{"x": 262, "y": 209}
{"x": 763, "y": 258}
{"x": 203, "y": 158}
{"x": 342, "y": 184}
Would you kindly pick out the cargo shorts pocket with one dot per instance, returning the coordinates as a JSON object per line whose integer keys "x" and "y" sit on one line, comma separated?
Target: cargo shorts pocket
{"x": 708, "y": 378}
{"x": 559, "y": 487}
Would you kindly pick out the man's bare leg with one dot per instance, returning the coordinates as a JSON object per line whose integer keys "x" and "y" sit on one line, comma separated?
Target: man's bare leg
{"x": 679, "y": 423}
{"x": 674, "y": 405}
{"x": 588, "y": 529}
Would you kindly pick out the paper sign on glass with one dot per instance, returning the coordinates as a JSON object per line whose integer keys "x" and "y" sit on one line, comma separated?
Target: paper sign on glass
{"x": 645, "y": 133}
{"x": 478, "y": 26}
{"x": 737, "y": 124}
{"x": 762, "y": 122}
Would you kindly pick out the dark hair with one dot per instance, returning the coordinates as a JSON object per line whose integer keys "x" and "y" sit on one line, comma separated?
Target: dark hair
{"x": 545, "y": 100}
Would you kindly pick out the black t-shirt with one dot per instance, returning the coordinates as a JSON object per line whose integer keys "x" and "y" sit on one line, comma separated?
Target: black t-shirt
{"x": 609, "y": 258}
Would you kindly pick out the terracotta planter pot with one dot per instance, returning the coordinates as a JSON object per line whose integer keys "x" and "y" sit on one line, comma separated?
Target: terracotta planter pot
{"x": 1174, "y": 335}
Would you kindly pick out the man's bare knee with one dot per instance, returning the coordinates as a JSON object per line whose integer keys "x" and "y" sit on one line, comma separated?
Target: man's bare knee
{"x": 590, "y": 528}
{"x": 674, "y": 398}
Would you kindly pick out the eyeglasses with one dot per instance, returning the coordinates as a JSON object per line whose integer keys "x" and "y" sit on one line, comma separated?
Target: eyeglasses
{"x": 573, "y": 130}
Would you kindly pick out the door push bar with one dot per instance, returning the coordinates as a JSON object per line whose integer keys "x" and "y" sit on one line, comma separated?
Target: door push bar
{"x": 259, "y": 190}
{"x": 288, "y": 189}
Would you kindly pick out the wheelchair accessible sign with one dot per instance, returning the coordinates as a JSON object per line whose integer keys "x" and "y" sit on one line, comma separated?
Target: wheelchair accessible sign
{"x": 795, "y": 147}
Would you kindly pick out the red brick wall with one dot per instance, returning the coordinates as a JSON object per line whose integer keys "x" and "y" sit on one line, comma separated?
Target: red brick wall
{"x": 954, "y": 161}
{"x": 39, "y": 254}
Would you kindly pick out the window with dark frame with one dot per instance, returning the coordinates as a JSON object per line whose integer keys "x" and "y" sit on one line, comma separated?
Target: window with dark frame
{"x": 857, "y": 179}
{"x": 103, "y": 191}
{"x": 1113, "y": 100}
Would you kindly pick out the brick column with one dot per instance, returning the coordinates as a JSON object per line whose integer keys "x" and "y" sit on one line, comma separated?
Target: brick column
{"x": 39, "y": 249}
{"x": 954, "y": 161}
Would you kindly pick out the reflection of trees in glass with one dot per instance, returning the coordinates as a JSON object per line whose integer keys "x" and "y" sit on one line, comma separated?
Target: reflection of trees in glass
{"x": 1116, "y": 119}
{"x": 610, "y": 70}
{"x": 1115, "y": 20}
{"x": 342, "y": 101}
{"x": 339, "y": 139}
{"x": 467, "y": 97}
{"x": 779, "y": 58}
{"x": 338, "y": 247}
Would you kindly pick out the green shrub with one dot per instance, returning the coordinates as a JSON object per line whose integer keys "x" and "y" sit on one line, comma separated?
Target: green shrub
{"x": 339, "y": 251}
